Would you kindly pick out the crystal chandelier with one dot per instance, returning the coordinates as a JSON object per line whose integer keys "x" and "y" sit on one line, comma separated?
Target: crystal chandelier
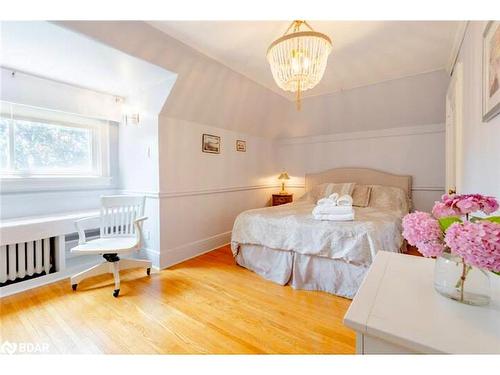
{"x": 298, "y": 59}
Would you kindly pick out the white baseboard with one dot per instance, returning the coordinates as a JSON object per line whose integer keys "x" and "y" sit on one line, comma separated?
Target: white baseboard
{"x": 151, "y": 254}
{"x": 191, "y": 250}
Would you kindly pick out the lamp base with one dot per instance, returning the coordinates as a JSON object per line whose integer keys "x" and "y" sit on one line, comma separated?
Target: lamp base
{"x": 283, "y": 191}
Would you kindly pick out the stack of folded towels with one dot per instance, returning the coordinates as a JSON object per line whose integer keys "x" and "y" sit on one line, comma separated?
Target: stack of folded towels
{"x": 335, "y": 208}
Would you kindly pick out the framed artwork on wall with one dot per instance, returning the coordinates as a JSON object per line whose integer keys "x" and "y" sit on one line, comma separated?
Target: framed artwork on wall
{"x": 241, "y": 146}
{"x": 210, "y": 143}
{"x": 491, "y": 70}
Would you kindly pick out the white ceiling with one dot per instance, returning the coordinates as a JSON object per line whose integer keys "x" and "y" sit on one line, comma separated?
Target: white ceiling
{"x": 47, "y": 50}
{"x": 364, "y": 52}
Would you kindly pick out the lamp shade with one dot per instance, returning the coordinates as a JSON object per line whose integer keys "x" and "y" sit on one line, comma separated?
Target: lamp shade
{"x": 283, "y": 176}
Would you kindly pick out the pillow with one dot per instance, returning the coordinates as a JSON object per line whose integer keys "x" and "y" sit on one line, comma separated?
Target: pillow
{"x": 361, "y": 195}
{"x": 389, "y": 198}
{"x": 325, "y": 190}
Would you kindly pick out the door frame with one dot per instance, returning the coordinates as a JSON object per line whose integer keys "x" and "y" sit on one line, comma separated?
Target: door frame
{"x": 454, "y": 130}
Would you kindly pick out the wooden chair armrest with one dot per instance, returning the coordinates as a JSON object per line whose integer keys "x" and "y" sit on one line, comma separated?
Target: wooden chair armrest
{"x": 138, "y": 230}
{"x": 140, "y": 219}
{"x": 80, "y": 227}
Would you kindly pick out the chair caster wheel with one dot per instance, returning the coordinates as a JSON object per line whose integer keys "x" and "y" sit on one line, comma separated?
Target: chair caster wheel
{"x": 148, "y": 271}
{"x": 116, "y": 292}
{"x": 73, "y": 286}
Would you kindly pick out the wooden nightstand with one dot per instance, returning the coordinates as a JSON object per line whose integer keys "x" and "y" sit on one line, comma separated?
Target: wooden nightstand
{"x": 282, "y": 199}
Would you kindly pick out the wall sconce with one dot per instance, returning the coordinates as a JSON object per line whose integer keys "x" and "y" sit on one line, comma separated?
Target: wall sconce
{"x": 132, "y": 119}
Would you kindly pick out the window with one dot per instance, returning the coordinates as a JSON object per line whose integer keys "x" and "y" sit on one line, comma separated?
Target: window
{"x": 41, "y": 142}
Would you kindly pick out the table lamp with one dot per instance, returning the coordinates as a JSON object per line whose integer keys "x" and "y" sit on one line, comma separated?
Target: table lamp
{"x": 282, "y": 177}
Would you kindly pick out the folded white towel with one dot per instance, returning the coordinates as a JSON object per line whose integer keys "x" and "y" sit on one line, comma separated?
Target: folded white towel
{"x": 326, "y": 201}
{"x": 327, "y": 205}
{"x": 335, "y": 205}
{"x": 344, "y": 200}
{"x": 334, "y": 196}
{"x": 344, "y": 217}
{"x": 331, "y": 200}
{"x": 332, "y": 210}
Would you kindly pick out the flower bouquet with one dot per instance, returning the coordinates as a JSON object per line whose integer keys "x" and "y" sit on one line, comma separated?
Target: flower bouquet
{"x": 465, "y": 245}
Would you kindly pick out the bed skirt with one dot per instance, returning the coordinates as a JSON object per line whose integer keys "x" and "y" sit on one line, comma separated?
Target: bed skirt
{"x": 273, "y": 265}
{"x": 302, "y": 271}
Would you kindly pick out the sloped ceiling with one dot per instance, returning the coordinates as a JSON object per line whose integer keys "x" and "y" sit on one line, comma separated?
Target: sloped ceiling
{"x": 364, "y": 52}
{"x": 206, "y": 91}
{"x": 406, "y": 102}
{"x": 210, "y": 93}
{"x": 44, "y": 49}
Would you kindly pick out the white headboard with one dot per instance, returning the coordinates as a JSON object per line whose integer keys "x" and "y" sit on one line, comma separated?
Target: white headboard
{"x": 364, "y": 176}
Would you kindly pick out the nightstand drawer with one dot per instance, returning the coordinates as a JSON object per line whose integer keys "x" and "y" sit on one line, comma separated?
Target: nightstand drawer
{"x": 282, "y": 199}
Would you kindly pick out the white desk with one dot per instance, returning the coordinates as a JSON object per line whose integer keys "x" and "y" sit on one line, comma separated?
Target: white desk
{"x": 34, "y": 228}
{"x": 397, "y": 310}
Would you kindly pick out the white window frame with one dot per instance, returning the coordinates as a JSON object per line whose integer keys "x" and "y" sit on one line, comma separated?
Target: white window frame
{"x": 99, "y": 176}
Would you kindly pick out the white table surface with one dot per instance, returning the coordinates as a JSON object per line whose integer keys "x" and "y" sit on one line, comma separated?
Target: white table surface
{"x": 397, "y": 303}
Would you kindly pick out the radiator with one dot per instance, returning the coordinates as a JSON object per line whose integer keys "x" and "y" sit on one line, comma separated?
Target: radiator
{"x": 24, "y": 260}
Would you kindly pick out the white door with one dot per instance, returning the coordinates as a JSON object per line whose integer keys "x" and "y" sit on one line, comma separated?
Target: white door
{"x": 454, "y": 131}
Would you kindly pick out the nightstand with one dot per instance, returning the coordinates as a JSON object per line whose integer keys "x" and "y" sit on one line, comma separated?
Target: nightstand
{"x": 282, "y": 199}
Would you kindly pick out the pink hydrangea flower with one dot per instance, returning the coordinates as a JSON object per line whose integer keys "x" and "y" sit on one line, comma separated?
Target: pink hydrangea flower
{"x": 490, "y": 205}
{"x": 442, "y": 210}
{"x": 416, "y": 226}
{"x": 431, "y": 248}
{"x": 421, "y": 230}
{"x": 459, "y": 205}
{"x": 477, "y": 243}
{"x": 468, "y": 204}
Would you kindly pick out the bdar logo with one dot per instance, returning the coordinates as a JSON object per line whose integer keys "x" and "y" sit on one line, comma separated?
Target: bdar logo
{"x": 8, "y": 347}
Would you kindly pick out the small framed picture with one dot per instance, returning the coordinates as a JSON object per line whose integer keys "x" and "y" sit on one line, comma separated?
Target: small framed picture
{"x": 491, "y": 70}
{"x": 210, "y": 143}
{"x": 241, "y": 146}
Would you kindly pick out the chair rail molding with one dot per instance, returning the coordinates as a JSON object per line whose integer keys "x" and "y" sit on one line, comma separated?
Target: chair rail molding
{"x": 186, "y": 193}
{"x": 428, "y": 188}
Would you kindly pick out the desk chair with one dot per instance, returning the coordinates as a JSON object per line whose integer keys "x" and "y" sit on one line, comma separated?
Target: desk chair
{"x": 120, "y": 233}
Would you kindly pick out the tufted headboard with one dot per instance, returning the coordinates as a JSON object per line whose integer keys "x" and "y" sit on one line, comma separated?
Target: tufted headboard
{"x": 364, "y": 176}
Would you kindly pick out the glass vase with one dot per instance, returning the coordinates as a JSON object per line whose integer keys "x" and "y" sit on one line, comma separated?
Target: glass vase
{"x": 460, "y": 282}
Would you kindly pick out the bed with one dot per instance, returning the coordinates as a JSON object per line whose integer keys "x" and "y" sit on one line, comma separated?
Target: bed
{"x": 284, "y": 244}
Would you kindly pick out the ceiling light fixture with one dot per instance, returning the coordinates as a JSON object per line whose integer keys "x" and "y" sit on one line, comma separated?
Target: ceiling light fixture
{"x": 298, "y": 59}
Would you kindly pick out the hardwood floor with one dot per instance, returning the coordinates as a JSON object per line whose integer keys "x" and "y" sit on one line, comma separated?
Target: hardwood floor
{"x": 204, "y": 305}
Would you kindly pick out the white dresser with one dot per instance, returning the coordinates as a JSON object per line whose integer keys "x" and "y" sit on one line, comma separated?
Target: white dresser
{"x": 397, "y": 310}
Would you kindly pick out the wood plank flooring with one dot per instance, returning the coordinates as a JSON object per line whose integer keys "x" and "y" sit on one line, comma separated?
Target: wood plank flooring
{"x": 204, "y": 305}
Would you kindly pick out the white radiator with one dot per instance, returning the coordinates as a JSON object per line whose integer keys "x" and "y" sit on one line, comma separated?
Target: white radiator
{"x": 33, "y": 250}
{"x": 24, "y": 259}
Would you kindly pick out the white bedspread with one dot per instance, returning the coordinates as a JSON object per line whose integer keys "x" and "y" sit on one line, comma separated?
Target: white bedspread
{"x": 292, "y": 227}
